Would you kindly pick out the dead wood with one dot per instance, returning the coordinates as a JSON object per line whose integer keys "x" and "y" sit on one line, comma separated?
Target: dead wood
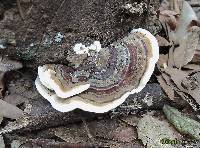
{"x": 34, "y": 37}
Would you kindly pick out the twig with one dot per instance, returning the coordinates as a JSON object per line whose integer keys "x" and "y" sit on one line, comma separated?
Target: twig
{"x": 29, "y": 10}
{"x": 20, "y": 10}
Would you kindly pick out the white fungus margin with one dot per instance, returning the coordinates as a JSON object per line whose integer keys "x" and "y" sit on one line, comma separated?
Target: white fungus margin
{"x": 63, "y": 103}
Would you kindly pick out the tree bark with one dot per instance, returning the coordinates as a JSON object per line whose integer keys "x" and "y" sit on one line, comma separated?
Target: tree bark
{"x": 35, "y": 39}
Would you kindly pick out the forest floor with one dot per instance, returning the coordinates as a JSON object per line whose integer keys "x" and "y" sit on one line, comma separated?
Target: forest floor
{"x": 165, "y": 114}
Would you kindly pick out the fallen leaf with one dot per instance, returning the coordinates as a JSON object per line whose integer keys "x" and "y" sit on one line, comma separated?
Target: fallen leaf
{"x": 192, "y": 67}
{"x": 187, "y": 15}
{"x": 182, "y": 123}
{"x": 196, "y": 58}
{"x": 125, "y": 134}
{"x": 162, "y": 60}
{"x": 7, "y": 64}
{"x": 192, "y": 85}
{"x": 169, "y": 82}
{"x": 168, "y": 17}
{"x": 168, "y": 12}
{"x": 9, "y": 111}
{"x": 186, "y": 82}
{"x": 162, "y": 41}
{"x": 45, "y": 143}
{"x": 2, "y": 145}
{"x": 188, "y": 99}
{"x": 15, "y": 99}
{"x": 151, "y": 131}
{"x": 168, "y": 89}
{"x": 187, "y": 47}
{"x": 170, "y": 62}
{"x": 176, "y": 7}
{"x": 164, "y": 5}
{"x": 130, "y": 120}
{"x": 177, "y": 76}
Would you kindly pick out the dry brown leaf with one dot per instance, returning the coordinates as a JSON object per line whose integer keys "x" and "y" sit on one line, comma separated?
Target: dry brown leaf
{"x": 177, "y": 76}
{"x": 168, "y": 90}
{"x": 187, "y": 83}
{"x": 168, "y": 17}
{"x": 167, "y": 79}
{"x": 192, "y": 85}
{"x": 7, "y": 64}
{"x": 168, "y": 12}
{"x": 162, "y": 41}
{"x": 170, "y": 62}
{"x": 181, "y": 92}
{"x": 192, "y": 67}
{"x": 130, "y": 120}
{"x": 169, "y": 82}
{"x": 164, "y": 5}
{"x": 125, "y": 134}
{"x": 162, "y": 60}
{"x": 187, "y": 15}
{"x": 15, "y": 99}
{"x": 151, "y": 131}
{"x": 185, "y": 52}
{"x": 196, "y": 58}
{"x": 9, "y": 111}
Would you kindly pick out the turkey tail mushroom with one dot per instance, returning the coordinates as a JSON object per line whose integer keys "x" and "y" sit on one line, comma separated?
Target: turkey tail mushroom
{"x": 106, "y": 77}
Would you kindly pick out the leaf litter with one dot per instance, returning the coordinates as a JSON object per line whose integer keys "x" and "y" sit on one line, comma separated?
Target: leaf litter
{"x": 152, "y": 131}
{"x": 179, "y": 75}
{"x": 179, "y": 68}
{"x": 179, "y": 64}
{"x": 8, "y": 110}
{"x": 182, "y": 123}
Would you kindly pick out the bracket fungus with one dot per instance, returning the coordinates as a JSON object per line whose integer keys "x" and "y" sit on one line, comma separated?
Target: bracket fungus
{"x": 104, "y": 77}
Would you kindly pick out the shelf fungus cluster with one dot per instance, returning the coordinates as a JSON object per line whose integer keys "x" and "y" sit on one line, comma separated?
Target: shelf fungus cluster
{"x": 100, "y": 79}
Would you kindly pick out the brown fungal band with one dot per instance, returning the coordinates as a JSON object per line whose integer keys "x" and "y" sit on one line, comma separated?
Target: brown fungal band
{"x": 103, "y": 78}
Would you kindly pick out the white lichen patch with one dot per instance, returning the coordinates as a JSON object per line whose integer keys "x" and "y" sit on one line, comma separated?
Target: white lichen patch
{"x": 136, "y": 8}
{"x": 59, "y": 37}
{"x": 2, "y": 44}
{"x": 80, "y": 48}
{"x": 148, "y": 100}
{"x": 47, "y": 40}
{"x": 153, "y": 132}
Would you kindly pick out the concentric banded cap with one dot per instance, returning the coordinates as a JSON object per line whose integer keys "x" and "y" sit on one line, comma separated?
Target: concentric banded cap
{"x": 103, "y": 81}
